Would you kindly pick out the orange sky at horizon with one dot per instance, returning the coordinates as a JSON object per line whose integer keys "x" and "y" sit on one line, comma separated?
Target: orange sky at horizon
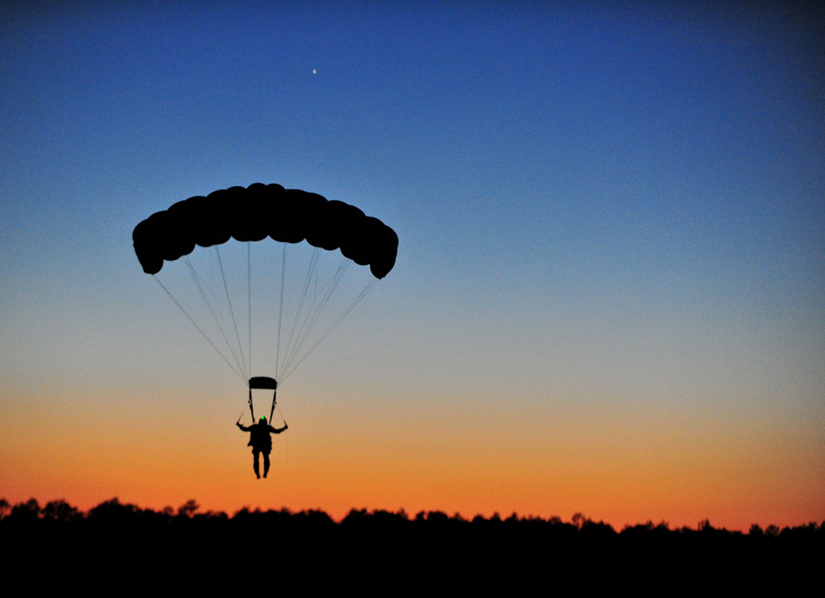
{"x": 553, "y": 459}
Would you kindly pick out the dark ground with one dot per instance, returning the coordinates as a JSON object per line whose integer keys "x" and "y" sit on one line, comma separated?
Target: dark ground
{"x": 390, "y": 553}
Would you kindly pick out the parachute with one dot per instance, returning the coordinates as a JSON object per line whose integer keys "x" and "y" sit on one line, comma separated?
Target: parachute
{"x": 253, "y": 215}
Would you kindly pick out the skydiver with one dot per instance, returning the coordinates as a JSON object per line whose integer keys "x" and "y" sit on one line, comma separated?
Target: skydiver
{"x": 260, "y": 440}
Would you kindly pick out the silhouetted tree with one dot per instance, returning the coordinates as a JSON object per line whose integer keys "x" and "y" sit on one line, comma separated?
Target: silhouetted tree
{"x": 60, "y": 510}
{"x": 189, "y": 508}
{"x": 26, "y": 511}
{"x": 756, "y": 531}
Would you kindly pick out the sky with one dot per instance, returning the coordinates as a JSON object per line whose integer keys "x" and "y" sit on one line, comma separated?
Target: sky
{"x": 608, "y": 296}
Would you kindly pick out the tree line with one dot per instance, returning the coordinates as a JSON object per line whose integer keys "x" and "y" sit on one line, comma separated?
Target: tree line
{"x": 121, "y": 540}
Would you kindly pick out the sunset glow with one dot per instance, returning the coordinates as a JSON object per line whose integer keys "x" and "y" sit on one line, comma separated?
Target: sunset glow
{"x": 608, "y": 296}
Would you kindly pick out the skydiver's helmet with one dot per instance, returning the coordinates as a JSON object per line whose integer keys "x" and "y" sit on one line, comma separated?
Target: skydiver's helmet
{"x": 262, "y": 420}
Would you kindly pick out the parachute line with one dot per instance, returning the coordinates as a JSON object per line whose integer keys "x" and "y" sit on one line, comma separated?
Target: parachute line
{"x": 215, "y": 310}
{"x": 313, "y": 263}
{"x": 355, "y": 302}
{"x": 315, "y": 310}
{"x": 303, "y": 318}
{"x": 211, "y": 288}
{"x": 199, "y": 330}
{"x": 280, "y": 311}
{"x": 231, "y": 311}
{"x": 249, "y": 298}
{"x": 211, "y": 308}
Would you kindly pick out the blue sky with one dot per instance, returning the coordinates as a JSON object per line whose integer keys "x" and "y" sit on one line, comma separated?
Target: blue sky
{"x": 617, "y": 206}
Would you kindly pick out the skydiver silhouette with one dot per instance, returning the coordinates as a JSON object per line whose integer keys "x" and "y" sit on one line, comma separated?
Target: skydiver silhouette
{"x": 260, "y": 440}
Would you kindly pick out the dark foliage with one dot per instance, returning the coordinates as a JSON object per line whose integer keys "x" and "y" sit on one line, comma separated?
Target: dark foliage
{"x": 389, "y": 552}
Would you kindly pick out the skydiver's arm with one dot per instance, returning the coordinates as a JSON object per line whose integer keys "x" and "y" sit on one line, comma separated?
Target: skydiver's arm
{"x": 242, "y": 427}
{"x": 278, "y": 430}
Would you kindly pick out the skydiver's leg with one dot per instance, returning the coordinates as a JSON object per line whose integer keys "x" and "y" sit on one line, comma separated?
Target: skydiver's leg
{"x": 255, "y": 465}
{"x": 266, "y": 464}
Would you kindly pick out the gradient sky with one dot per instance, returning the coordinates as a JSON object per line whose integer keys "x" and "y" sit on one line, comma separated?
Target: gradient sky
{"x": 610, "y": 284}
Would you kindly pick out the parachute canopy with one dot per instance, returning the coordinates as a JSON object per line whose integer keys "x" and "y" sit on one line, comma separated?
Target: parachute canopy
{"x": 260, "y": 211}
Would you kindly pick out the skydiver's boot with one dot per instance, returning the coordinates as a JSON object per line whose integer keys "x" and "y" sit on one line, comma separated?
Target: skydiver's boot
{"x": 266, "y": 464}
{"x": 255, "y": 465}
